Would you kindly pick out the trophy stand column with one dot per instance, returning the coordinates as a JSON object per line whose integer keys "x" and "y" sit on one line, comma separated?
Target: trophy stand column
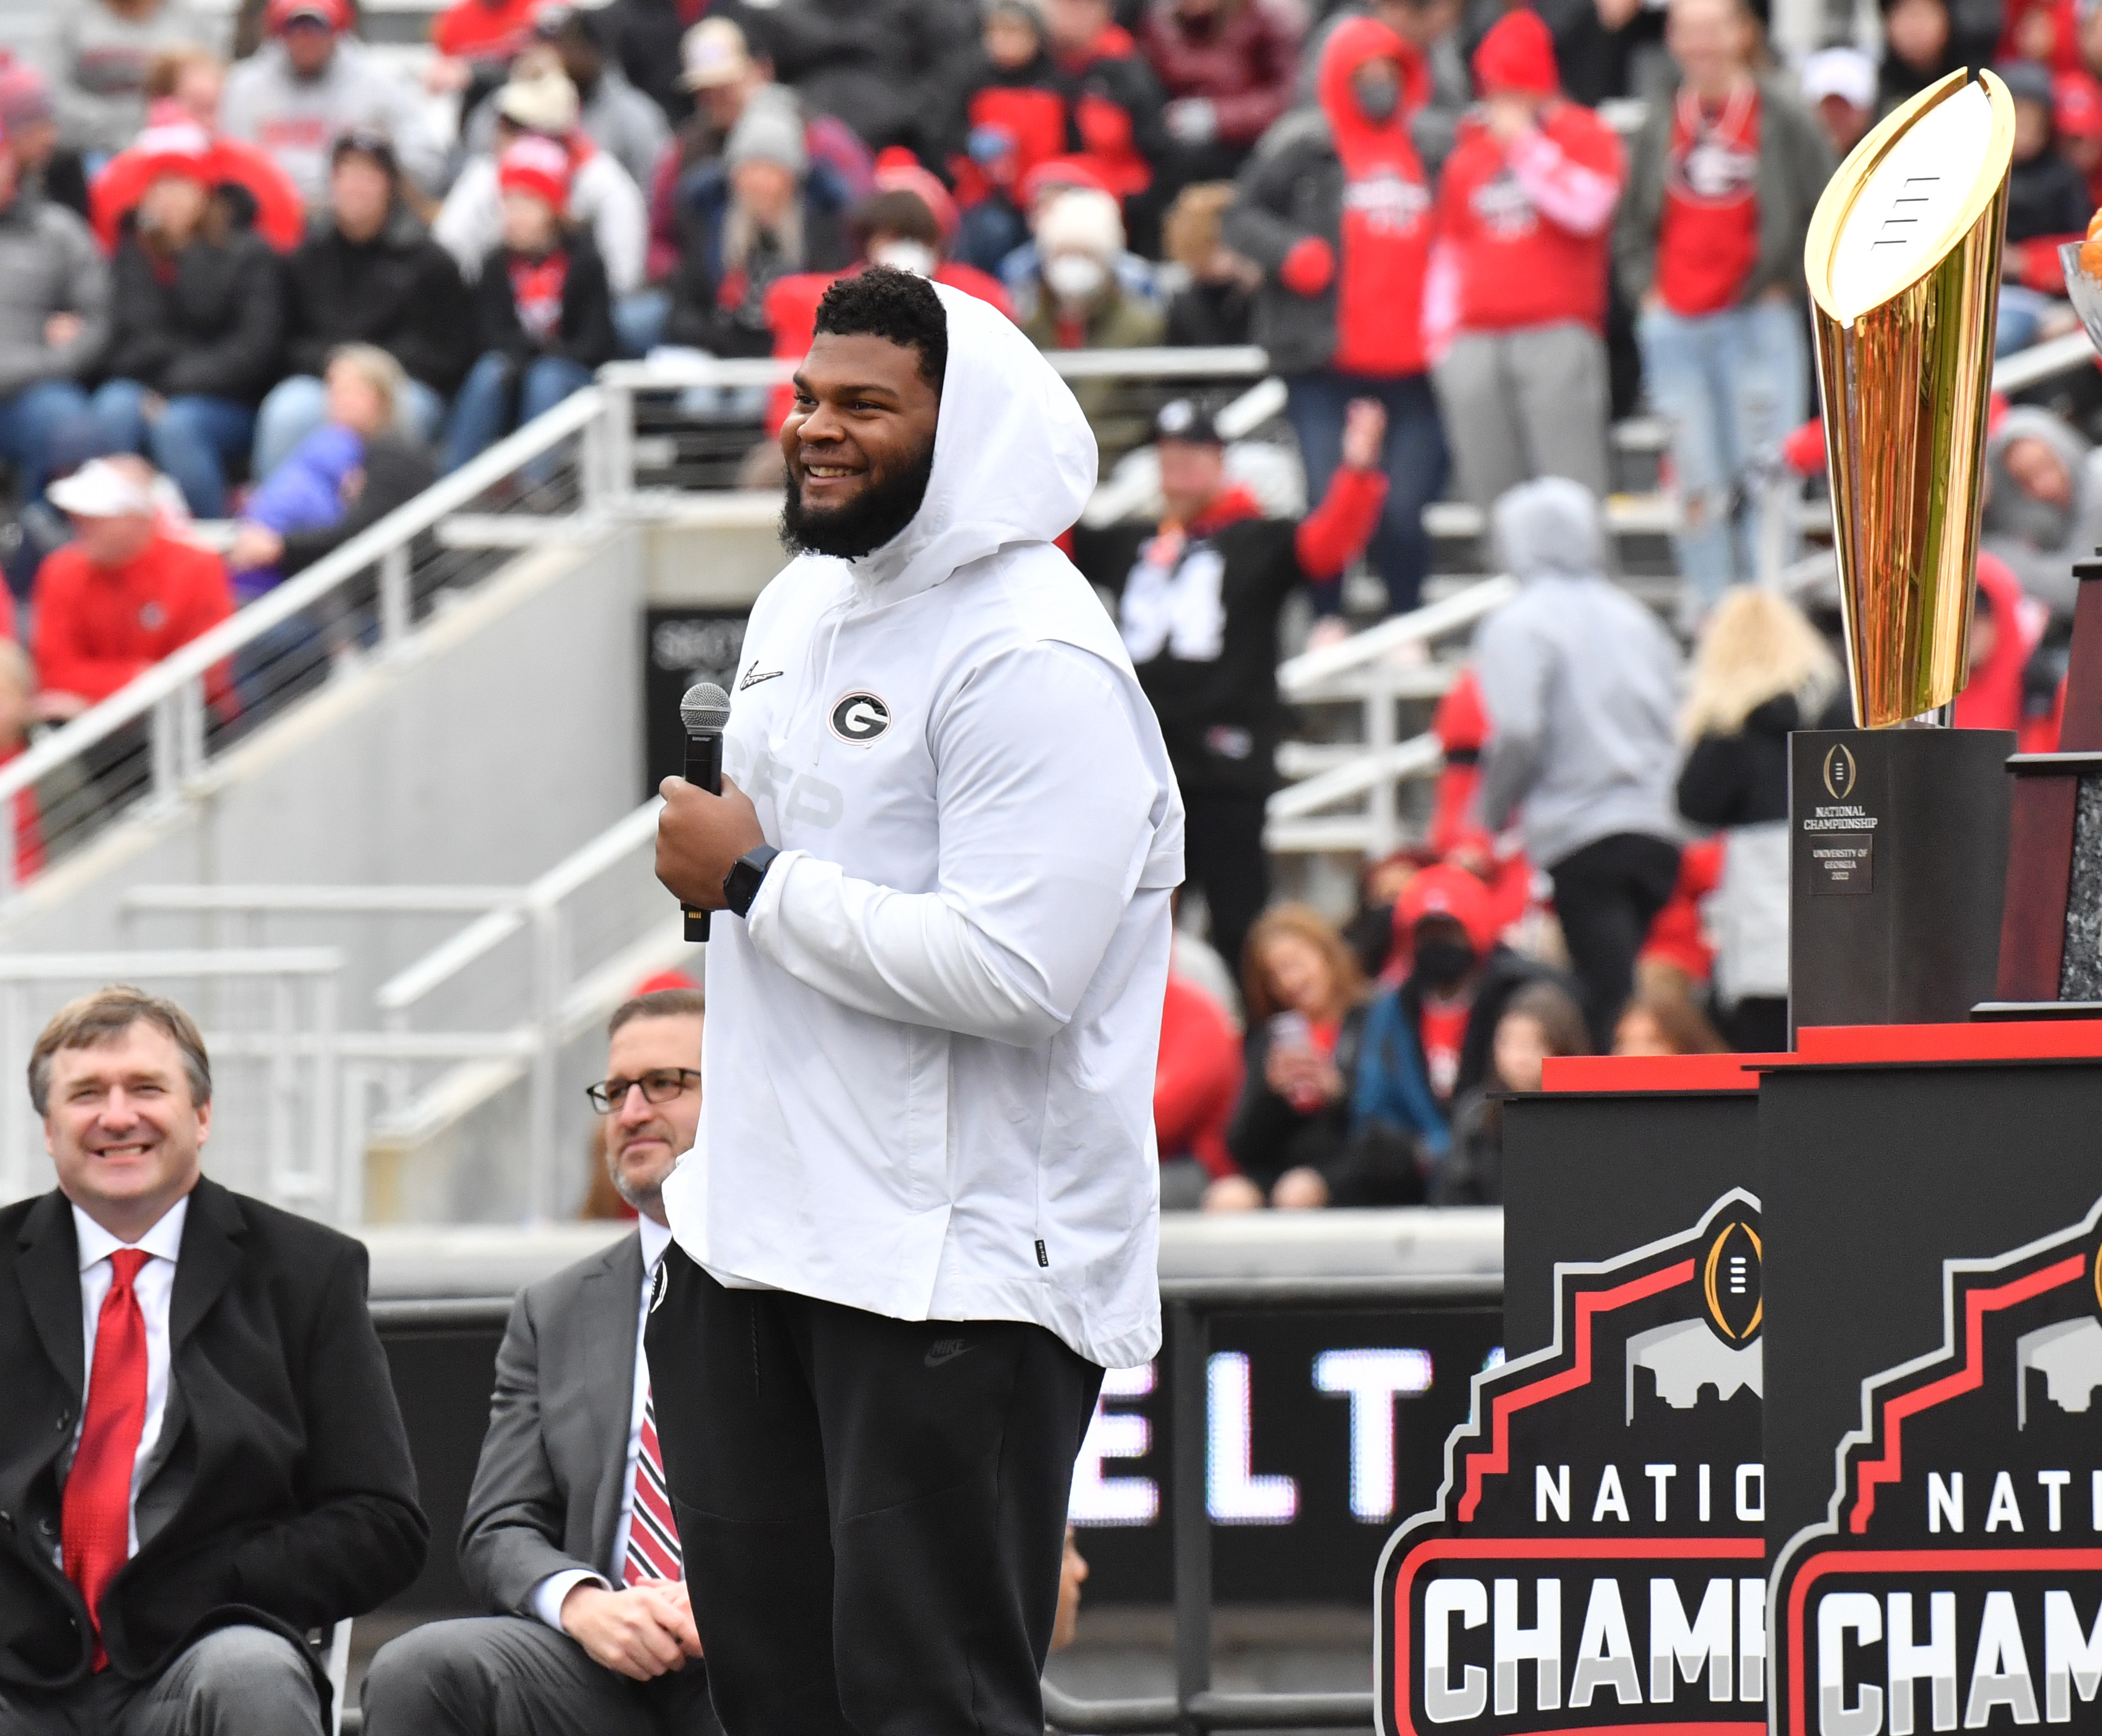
{"x": 1898, "y": 851}
{"x": 2051, "y": 940}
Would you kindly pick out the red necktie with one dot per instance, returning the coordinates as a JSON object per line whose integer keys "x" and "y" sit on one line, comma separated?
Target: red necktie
{"x": 97, "y": 1516}
{"x": 652, "y": 1534}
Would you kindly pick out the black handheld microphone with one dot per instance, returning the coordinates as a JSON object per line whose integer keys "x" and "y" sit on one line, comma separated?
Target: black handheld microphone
{"x": 704, "y": 711}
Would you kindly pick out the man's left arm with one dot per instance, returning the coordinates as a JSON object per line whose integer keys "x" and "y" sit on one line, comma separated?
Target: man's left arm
{"x": 1047, "y": 811}
{"x": 361, "y": 1537}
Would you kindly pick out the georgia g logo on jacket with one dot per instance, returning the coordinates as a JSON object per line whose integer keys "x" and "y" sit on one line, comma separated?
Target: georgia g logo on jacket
{"x": 859, "y": 717}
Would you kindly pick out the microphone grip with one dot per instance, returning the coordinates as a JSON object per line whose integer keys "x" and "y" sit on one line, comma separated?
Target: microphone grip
{"x": 704, "y": 770}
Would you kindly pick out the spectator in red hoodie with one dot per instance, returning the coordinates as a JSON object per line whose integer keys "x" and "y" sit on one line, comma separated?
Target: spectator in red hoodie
{"x": 1196, "y": 1083}
{"x": 1226, "y": 67}
{"x": 1116, "y": 111}
{"x": 1198, "y": 595}
{"x": 119, "y": 597}
{"x": 1515, "y": 309}
{"x": 1336, "y": 211}
{"x": 2006, "y": 627}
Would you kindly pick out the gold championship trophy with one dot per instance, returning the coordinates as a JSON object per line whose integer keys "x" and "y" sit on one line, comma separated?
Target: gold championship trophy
{"x": 1898, "y": 828}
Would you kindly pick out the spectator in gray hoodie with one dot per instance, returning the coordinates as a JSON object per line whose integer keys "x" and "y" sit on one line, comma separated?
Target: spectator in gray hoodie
{"x": 54, "y": 321}
{"x": 2043, "y": 502}
{"x": 98, "y": 54}
{"x": 1580, "y": 683}
{"x": 311, "y": 83}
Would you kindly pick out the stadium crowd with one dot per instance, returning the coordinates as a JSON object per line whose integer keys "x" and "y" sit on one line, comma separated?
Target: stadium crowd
{"x": 254, "y": 269}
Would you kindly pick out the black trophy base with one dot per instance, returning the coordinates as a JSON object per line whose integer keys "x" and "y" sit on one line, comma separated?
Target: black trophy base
{"x": 1898, "y": 865}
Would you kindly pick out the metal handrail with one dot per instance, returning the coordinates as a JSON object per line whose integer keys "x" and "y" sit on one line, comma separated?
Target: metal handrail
{"x": 1298, "y": 677}
{"x": 168, "y": 681}
{"x": 440, "y": 965}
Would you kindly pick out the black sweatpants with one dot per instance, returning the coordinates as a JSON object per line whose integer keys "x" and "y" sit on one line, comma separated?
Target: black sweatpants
{"x": 1222, "y": 852}
{"x": 873, "y": 1511}
{"x": 1606, "y": 895}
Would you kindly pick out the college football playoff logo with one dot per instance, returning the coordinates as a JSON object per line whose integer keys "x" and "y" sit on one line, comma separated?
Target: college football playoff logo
{"x": 1596, "y": 1560}
{"x": 1840, "y": 774}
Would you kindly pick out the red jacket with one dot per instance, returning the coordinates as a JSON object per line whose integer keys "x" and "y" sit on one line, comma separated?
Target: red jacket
{"x": 1197, "y": 1079}
{"x": 1244, "y": 65}
{"x": 100, "y": 627}
{"x": 1676, "y": 935}
{"x": 1992, "y": 697}
{"x": 1386, "y": 215}
{"x": 1116, "y": 111}
{"x": 1524, "y": 232}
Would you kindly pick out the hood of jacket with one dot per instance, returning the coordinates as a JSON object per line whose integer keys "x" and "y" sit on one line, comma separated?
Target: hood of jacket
{"x": 1550, "y": 528}
{"x": 1350, "y": 45}
{"x": 1014, "y": 459}
{"x": 2009, "y": 510}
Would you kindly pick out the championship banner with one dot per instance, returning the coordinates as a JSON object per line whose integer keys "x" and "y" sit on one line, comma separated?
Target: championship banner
{"x": 1934, "y": 1464}
{"x": 1596, "y": 1559}
{"x": 1960, "y": 1574}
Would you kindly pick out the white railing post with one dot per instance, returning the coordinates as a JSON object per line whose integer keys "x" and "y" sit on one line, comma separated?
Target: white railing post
{"x": 394, "y": 597}
{"x": 541, "y": 1143}
{"x": 339, "y": 1175}
{"x": 164, "y": 741}
{"x": 616, "y": 423}
{"x": 1383, "y": 825}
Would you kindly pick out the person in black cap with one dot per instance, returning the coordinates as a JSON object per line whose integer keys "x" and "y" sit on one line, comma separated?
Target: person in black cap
{"x": 1198, "y": 595}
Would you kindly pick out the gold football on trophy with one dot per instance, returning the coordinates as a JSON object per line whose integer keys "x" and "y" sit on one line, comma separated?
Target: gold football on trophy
{"x": 1903, "y": 266}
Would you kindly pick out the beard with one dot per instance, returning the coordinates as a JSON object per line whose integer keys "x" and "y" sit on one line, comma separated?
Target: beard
{"x": 882, "y": 509}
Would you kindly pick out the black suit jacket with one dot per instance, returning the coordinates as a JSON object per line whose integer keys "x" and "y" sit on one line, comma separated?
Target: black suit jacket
{"x": 281, "y": 1492}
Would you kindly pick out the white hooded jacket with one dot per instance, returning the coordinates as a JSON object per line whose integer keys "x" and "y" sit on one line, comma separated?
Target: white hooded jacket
{"x": 929, "y": 1054}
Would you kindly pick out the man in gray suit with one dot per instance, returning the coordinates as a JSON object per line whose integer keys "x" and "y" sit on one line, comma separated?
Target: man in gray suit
{"x": 567, "y": 1533}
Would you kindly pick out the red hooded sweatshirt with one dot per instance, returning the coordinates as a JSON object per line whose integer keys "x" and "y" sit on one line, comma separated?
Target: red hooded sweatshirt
{"x": 1386, "y": 209}
{"x": 1992, "y": 697}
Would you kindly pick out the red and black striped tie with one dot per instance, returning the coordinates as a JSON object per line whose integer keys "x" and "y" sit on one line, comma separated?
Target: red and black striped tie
{"x": 652, "y": 1534}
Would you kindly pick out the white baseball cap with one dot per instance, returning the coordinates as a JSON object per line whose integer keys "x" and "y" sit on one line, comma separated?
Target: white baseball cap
{"x": 100, "y": 489}
{"x": 1845, "y": 72}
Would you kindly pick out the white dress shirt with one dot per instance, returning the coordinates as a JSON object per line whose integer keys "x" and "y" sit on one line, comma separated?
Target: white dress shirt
{"x": 547, "y": 1596}
{"x": 154, "y": 1287}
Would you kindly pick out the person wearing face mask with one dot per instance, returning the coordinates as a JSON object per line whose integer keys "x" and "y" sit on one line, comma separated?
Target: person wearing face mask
{"x": 1336, "y": 211}
{"x": 1442, "y": 1017}
{"x": 2043, "y": 502}
{"x": 907, "y": 225}
{"x": 1081, "y": 305}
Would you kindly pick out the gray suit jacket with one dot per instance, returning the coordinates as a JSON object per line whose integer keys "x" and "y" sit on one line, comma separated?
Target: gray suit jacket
{"x": 547, "y": 1491}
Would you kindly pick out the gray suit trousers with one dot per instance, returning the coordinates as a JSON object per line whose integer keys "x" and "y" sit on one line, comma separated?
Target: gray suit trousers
{"x": 510, "y": 1676}
{"x": 237, "y": 1681}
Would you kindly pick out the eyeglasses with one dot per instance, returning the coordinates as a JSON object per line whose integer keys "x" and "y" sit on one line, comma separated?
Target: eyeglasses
{"x": 660, "y": 1085}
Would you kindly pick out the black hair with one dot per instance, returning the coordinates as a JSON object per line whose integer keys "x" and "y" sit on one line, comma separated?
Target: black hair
{"x": 899, "y": 305}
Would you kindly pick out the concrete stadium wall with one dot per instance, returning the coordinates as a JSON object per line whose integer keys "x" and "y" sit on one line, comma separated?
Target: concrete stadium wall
{"x": 507, "y": 734}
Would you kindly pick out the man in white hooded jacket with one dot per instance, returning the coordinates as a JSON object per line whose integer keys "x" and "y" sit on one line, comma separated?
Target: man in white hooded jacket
{"x": 922, "y": 1208}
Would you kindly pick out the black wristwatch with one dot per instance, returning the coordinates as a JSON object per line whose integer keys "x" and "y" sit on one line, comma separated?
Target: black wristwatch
{"x": 741, "y": 884}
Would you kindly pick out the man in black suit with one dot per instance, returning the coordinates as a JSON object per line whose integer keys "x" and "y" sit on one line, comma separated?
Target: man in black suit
{"x": 201, "y": 1457}
{"x": 568, "y": 1534}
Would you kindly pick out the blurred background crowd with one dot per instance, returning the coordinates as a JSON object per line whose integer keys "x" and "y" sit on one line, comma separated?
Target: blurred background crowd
{"x": 265, "y": 273}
